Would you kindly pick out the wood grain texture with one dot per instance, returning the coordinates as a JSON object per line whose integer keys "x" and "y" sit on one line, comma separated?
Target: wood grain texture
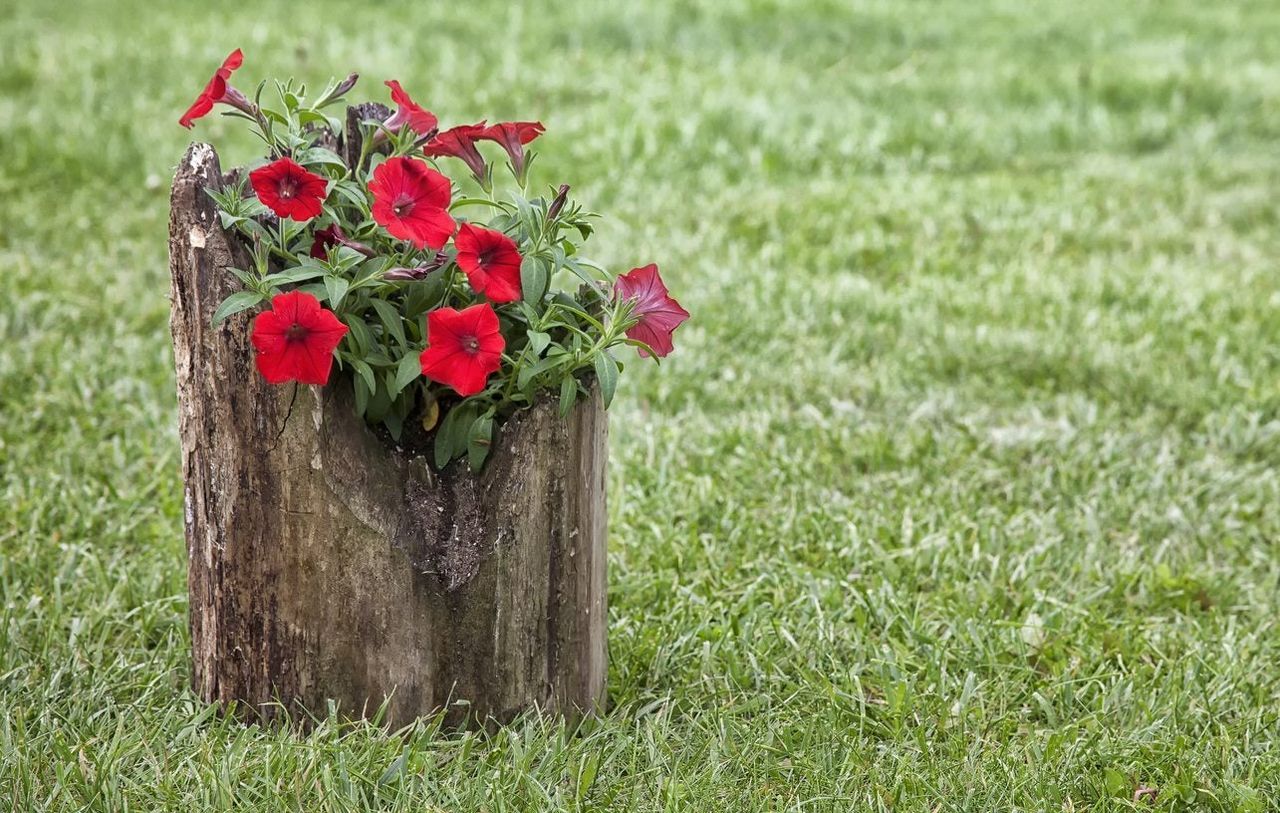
{"x": 326, "y": 564}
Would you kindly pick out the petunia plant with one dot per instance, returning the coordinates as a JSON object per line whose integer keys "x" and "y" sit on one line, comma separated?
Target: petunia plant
{"x": 446, "y": 302}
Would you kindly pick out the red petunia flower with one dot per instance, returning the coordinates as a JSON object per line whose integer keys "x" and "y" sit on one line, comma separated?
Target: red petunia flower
{"x": 217, "y": 90}
{"x": 421, "y": 121}
{"x": 296, "y": 339}
{"x": 460, "y": 142}
{"x": 513, "y": 135}
{"x": 463, "y": 347}
{"x": 333, "y": 235}
{"x": 289, "y": 189}
{"x": 410, "y": 200}
{"x": 491, "y": 261}
{"x": 659, "y": 314}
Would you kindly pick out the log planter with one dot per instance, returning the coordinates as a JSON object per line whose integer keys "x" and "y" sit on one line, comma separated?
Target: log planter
{"x": 329, "y": 565}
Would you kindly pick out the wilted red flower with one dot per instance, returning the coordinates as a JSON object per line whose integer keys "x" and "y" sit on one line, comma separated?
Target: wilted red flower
{"x": 296, "y": 339}
{"x": 410, "y": 200}
{"x": 659, "y": 314}
{"x": 513, "y": 135}
{"x": 325, "y": 239}
{"x": 333, "y": 235}
{"x": 464, "y": 347}
{"x": 420, "y": 120}
{"x": 460, "y": 142}
{"x": 217, "y": 90}
{"x": 289, "y": 189}
{"x": 491, "y": 261}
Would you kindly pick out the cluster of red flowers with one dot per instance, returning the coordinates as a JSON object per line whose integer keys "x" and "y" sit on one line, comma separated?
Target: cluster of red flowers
{"x": 409, "y": 199}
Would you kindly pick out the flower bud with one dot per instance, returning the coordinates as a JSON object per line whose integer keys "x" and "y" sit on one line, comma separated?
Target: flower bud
{"x": 402, "y": 274}
{"x": 339, "y": 90}
{"x": 558, "y": 202}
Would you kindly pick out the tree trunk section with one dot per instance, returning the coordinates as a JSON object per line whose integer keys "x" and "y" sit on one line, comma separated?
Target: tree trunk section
{"x": 328, "y": 565}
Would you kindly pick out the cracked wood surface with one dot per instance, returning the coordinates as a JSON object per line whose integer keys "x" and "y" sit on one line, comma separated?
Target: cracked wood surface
{"x": 327, "y": 565}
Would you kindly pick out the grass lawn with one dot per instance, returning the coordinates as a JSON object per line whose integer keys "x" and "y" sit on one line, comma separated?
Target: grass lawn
{"x": 960, "y": 493}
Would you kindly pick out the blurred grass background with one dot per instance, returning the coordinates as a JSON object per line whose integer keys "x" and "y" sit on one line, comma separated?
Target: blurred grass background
{"x": 959, "y": 494}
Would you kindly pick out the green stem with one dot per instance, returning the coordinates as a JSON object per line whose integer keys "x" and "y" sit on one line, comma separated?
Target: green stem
{"x": 365, "y": 139}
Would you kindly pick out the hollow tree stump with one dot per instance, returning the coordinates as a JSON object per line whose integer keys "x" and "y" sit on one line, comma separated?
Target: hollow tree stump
{"x": 326, "y": 564}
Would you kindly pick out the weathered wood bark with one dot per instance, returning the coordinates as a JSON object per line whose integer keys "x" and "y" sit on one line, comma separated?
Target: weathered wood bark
{"x": 327, "y": 565}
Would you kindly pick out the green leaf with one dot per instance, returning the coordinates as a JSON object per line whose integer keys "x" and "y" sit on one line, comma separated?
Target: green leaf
{"x": 527, "y": 374}
{"x": 479, "y": 440}
{"x": 607, "y": 373}
{"x": 369, "y": 268}
{"x": 239, "y": 301}
{"x": 391, "y": 319}
{"x": 407, "y": 370}
{"x": 460, "y": 202}
{"x": 379, "y": 405}
{"x": 299, "y": 273}
{"x": 568, "y": 395}
{"x": 538, "y": 341}
{"x": 528, "y": 314}
{"x": 1116, "y": 783}
{"x": 359, "y": 386}
{"x": 394, "y": 424}
{"x": 310, "y": 116}
{"x": 557, "y": 257}
{"x": 451, "y": 437}
{"x": 424, "y": 295}
{"x": 291, "y": 229}
{"x": 244, "y": 276}
{"x": 395, "y": 768}
{"x": 528, "y": 220}
{"x": 319, "y": 155}
{"x": 443, "y": 448}
{"x": 316, "y": 289}
{"x": 361, "y": 338}
{"x": 225, "y": 198}
{"x": 580, "y": 271}
{"x": 336, "y": 288}
{"x": 502, "y": 222}
{"x": 636, "y": 343}
{"x": 253, "y": 227}
{"x": 366, "y": 373}
{"x": 533, "y": 279}
{"x": 586, "y": 775}
{"x": 354, "y": 194}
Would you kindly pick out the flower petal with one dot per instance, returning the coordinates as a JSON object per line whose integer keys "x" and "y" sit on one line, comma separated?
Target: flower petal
{"x": 277, "y": 367}
{"x": 198, "y": 109}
